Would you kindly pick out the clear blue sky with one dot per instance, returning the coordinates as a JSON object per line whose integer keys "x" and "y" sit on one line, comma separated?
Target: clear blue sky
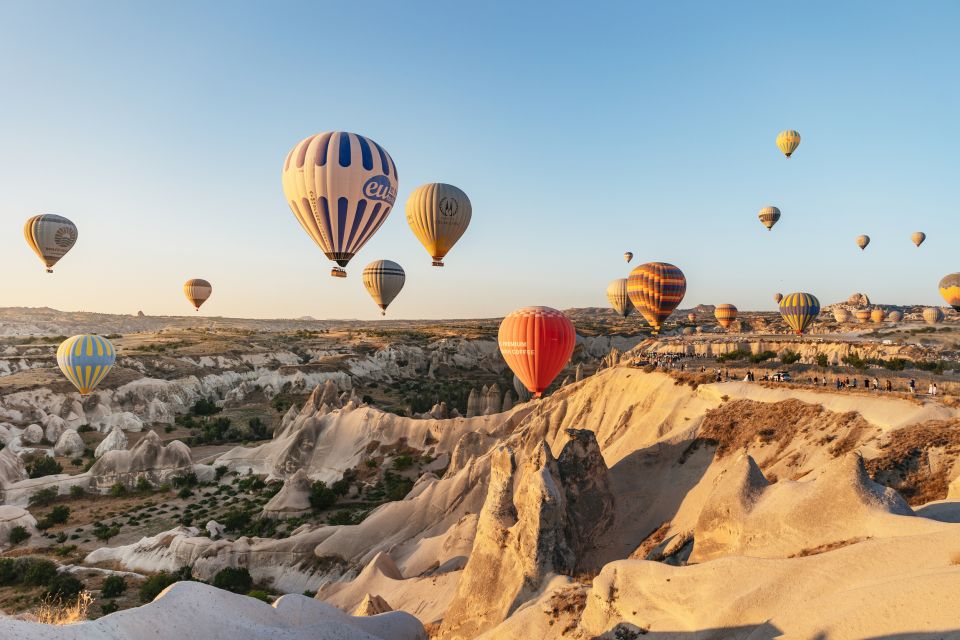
{"x": 578, "y": 131}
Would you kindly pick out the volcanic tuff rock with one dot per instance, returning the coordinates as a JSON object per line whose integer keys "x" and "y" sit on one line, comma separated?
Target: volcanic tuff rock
{"x": 292, "y": 500}
{"x": 372, "y": 605}
{"x": 148, "y": 459}
{"x": 116, "y": 440}
{"x": 859, "y": 300}
{"x": 70, "y": 444}
{"x": 536, "y": 520}
{"x": 11, "y": 517}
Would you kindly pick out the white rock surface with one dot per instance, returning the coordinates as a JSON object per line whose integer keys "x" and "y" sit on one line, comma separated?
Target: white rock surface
{"x": 70, "y": 444}
{"x": 188, "y": 610}
{"x": 11, "y": 517}
{"x": 33, "y": 434}
{"x": 116, "y": 440}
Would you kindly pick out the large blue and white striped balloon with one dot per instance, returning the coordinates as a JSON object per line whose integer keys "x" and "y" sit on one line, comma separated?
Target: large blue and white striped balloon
{"x": 341, "y": 187}
{"x": 86, "y": 360}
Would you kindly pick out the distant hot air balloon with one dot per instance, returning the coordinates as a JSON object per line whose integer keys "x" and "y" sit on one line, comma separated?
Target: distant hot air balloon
{"x": 619, "y": 300}
{"x": 862, "y": 242}
{"x": 877, "y": 315}
{"x": 799, "y": 310}
{"x": 383, "y": 279}
{"x": 841, "y": 315}
{"x": 894, "y": 316}
{"x": 438, "y": 214}
{"x": 628, "y": 256}
{"x": 950, "y": 290}
{"x": 918, "y": 237}
{"x": 788, "y": 141}
{"x": 536, "y": 343}
{"x": 85, "y": 360}
{"x": 341, "y": 187}
{"x": 692, "y": 317}
{"x": 769, "y": 216}
{"x": 687, "y": 331}
{"x": 50, "y": 237}
{"x": 863, "y": 316}
{"x": 197, "y": 291}
{"x": 725, "y": 315}
{"x": 777, "y": 297}
{"x": 655, "y": 289}
{"x": 932, "y": 315}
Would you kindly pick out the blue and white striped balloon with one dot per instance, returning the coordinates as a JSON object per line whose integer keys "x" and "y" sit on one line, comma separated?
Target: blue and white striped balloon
{"x": 86, "y": 360}
{"x": 341, "y": 187}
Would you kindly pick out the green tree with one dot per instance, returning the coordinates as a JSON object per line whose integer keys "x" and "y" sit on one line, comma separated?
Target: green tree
{"x": 113, "y": 587}
{"x": 235, "y": 579}
{"x": 18, "y": 534}
{"x": 321, "y": 496}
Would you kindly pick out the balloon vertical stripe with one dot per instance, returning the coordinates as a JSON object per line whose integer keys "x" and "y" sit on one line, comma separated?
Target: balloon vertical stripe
{"x": 655, "y": 289}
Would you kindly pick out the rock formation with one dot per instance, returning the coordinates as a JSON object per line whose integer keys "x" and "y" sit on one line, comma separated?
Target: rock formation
{"x": 473, "y": 404}
{"x": 578, "y": 372}
{"x": 33, "y": 434}
{"x": 11, "y": 517}
{"x": 292, "y": 500}
{"x": 70, "y": 444}
{"x": 116, "y": 440}
{"x": 372, "y": 605}
{"x": 507, "y": 401}
{"x": 858, "y": 300}
{"x": 491, "y": 400}
{"x": 149, "y": 459}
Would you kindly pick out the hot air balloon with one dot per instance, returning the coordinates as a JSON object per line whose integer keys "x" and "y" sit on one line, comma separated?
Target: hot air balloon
{"x": 788, "y": 141}
{"x": 769, "y": 216}
{"x": 438, "y": 214}
{"x": 655, "y": 289}
{"x": 950, "y": 290}
{"x": 863, "y": 316}
{"x": 841, "y": 315}
{"x": 619, "y": 300}
{"x": 50, "y": 237}
{"x": 918, "y": 237}
{"x": 932, "y": 315}
{"x": 799, "y": 310}
{"x": 725, "y": 315}
{"x": 692, "y": 317}
{"x": 85, "y": 360}
{"x": 536, "y": 343}
{"x": 777, "y": 297}
{"x": 341, "y": 187}
{"x": 894, "y": 316}
{"x": 862, "y": 242}
{"x": 383, "y": 280}
{"x": 197, "y": 291}
{"x": 628, "y": 256}
{"x": 687, "y": 331}
{"x": 877, "y": 315}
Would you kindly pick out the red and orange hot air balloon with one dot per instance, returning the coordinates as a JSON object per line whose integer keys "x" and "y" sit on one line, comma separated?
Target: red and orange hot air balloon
{"x": 537, "y": 343}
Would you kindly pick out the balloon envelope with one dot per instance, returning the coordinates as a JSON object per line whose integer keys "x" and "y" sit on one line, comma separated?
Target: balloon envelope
{"x": 950, "y": 290}
{"x": 863, "y": 315}
{"x": 655, "y": 289}
{"x": 777, "y": 297}
{"x": 877, "y": 315}
{"x": 438, "y": 214}
{"x": 841, "y": 315}
{"x": 799, "y": 310}
{"x": 932, "y": 315}
{"x": 725, "y": 315}
{"x": 85, "y": 360}
{"x": 863, "y": 241}
{"x": 769, "y": 216}
{"x": 628, "y": 256}
{"x": 918, "y": 237}
{"x": 894, "y": 316}
{"x": 692, "y": 317}
{"x": 536, "y": 343}
{"x": 341, "y": 187}
{"x": 197, "y": 291}
{"x": 383, "y": 279}
{"x": 619, "y": 300}
{"x": 788, "y": 141}
{"x": 51, "y": 237}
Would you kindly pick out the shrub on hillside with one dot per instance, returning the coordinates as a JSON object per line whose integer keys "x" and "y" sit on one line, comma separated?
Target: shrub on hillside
{"x": 235, "y": 579}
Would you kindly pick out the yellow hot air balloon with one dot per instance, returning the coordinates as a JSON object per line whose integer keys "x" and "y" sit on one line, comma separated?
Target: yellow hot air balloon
{"x": 628, "y": 256}
{"x": 692, "y": 317}
{"x": 383, "y": 279}
{"x": 725, "y": 315}
{"x": 932, "y": 315}
{"x": 197, "y": 291}
{"x": 799, "y": 310}
{"x": 950, "y": 290}
{"x": 918, "y": 237}
{"x": 619, "y": 300}
{"x": 655, "y": 289}
{"x": 769, "y": 216}
{"x": 85, "y": 360}
{"x": 341, "y": 187}
{"x": 877, "y": 315}
{"x": 862, "y": 242}
{"x": 50, "y": 237}
{"x": 438, "y": 214}
{"x": 788, "y": 141}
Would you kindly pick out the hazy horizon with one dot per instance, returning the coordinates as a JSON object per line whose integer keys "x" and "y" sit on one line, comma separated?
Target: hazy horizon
{"x": 578, "y": 133}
